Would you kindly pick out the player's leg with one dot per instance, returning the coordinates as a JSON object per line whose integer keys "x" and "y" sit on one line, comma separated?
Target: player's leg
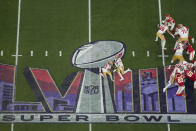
{"x": 171, "y": 81}
{"x": 180, "y": 58}
{"x": 101, "y": 72}
{"x": 163, "y": 41}
{"x": 104, "y": 74}
{"x": 191, "y": 39}
{"x": 191, "y": 56}
{"x": 175, "y": 45}
{"x": 157, "y": 37}
{"x": 180, "y": 91}
{"x": 174, "y": 58}
{"x": 110, "y": 74}
{"x": 194, "y": 84}
{"x": 122, "y": 70}
{"x": 172, "y": 26}
{"x": 119, "y": 73}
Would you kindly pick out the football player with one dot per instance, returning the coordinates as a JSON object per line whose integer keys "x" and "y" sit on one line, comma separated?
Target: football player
{"x": 178, "y": 54}
{"x": 160, "y": 34}
{"x": 107, "y": 70}
{"x": 183, "y": 34}
{"x": 170, "y": 20}
{"x": 190, "y": 52}
{"x": 120, "y": 67}
{"x": 178, "y": 76}
{"x": 190, "y": 74}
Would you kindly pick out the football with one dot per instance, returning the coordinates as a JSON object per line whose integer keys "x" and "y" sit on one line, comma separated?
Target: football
{"x": 96, "y": 54}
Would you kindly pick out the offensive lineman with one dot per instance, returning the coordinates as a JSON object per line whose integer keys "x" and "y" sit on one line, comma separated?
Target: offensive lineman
{"x": 178, "y": 54}
{"x": 160, "y": 34}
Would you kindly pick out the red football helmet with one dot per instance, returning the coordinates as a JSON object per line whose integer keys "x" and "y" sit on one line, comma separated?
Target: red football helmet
{"x": 167, "y": 15}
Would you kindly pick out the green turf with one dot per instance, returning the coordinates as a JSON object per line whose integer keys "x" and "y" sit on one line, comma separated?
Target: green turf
{"x": 8, "y": 26}
{"x": 63, "y": 25}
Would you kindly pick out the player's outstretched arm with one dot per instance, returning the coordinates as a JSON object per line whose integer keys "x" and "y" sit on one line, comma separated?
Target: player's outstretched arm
{"x": 170, "y": 33}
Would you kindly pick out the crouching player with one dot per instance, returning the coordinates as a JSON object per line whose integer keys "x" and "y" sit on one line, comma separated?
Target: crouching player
{"x": 178, "y": 76}
{"x": 107, "y": 70}
{"x": 178, "y": 54}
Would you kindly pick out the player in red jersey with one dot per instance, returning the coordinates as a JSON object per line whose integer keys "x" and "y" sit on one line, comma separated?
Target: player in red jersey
{"x": 170, "y": 21}
{"x": 190, "y": 52}
{"x": 180, "y": 82}
{"x": 190, "y": 74}
{"x": 178, "y": 76}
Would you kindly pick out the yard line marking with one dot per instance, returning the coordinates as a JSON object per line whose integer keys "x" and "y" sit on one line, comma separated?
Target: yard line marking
{"x": 1, "y": 52}
{"x": 60, "y": 53}
{"x": 90, "y": 126}
{"x": 46, "y": 53}
{"x": 89, "y": 38}
{"x": 160, "y": 15}
{"x": 148, "y": 53}
{"x": 89, "y": 20}
{"x": 168, "y": 127}
{"x": 31, "y": 52}
{"x": 16, "y": 57}
{"x": 133, "y": 53}
{"x": 163, "y": 53}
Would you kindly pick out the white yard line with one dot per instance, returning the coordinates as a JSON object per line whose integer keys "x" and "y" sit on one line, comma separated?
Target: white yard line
{"x": 89, "y": 20}
{"x": 148, "y": 53}
{"x": 1, "y": 52}
{"x": 163, "y": 53}
{"x": 46, "y": 53}
{"x": 16, "y": 56}
{"x": 60, "y": 53}
{"x": 31, "y": 52}
{"x": 133, "y": 53}
{"x": 89, "y": 37}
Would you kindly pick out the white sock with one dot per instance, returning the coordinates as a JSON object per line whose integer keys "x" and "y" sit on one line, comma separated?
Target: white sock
{"x": 156, "y": 39}
{"x": 163, "y": 44}
{"x": 121, "y": 77}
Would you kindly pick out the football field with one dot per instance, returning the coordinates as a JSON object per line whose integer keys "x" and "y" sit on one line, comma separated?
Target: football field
{"x": 47, "y": 32}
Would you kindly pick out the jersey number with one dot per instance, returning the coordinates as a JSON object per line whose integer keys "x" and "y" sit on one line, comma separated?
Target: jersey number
{"x": 190, "y": 74}
{"x": 162, "y": 28}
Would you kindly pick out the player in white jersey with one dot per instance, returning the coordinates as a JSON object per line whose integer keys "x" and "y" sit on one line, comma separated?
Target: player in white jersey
{"x": 178, "y": 53}
{"x": 107, "y": 70}
{"x": 120, "y": 67}
{"x": 160, "y": 34}
{"x": 183, "y": 33}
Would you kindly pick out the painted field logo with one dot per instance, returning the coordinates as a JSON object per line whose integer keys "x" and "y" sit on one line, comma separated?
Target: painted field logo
{"x": 102, "y": 92}
{"x": 91, "y": 90}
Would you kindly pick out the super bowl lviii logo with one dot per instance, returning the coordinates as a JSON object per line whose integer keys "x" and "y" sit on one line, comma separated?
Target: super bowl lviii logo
{"x": 104, "y": 91}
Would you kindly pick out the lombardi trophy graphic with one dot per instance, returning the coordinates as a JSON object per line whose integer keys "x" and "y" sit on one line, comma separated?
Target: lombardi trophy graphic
{"x": 95, "y": 95}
